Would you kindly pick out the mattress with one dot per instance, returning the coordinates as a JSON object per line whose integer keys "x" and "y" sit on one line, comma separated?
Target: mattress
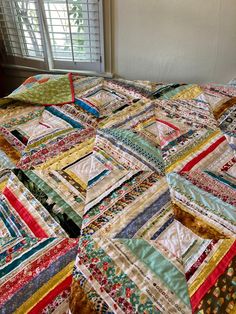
{"x": 117, "y": 196}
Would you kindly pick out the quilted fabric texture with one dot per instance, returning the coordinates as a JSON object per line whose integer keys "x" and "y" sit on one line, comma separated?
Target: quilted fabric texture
{"x": 117, "y": 197}
{"x": 46, "y": 89}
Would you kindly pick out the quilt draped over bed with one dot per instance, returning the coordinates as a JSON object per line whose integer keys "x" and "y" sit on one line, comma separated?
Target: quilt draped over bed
{"x": 117, "y": 197}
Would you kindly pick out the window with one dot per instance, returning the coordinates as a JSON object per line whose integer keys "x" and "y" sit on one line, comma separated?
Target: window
{"x": 53, "y": 34}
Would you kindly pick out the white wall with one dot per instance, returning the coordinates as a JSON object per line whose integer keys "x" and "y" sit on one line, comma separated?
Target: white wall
{"x": 175, "y": 40}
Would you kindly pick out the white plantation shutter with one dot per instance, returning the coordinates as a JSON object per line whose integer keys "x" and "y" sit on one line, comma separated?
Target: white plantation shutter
{"x": 61, "y": 34}
{"x": 21, "y": 31}
{"x": 74, "y": 32}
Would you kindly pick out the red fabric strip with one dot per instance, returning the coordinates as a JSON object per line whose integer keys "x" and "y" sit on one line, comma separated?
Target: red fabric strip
{"x": 72, "y": 87}
{"x": 169, "y": 124}
{"x": 24, "y": 214}
{"x": 203, "y": 154}
{"x": 213, "y": 277}
{"x": 41, "y": 263}
{"x": 38, "y": 308}
{"x": 200, "y": 260}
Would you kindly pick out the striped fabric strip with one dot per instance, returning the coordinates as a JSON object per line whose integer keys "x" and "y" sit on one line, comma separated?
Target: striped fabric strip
{"x": 24, "y": 214}
{"x": 212, "y": 278}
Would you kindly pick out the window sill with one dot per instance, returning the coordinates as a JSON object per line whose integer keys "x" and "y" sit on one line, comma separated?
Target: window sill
{"x": 57, "y": 71}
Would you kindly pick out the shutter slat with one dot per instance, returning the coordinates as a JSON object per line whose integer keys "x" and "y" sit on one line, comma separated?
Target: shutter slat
{"x": 20, "y": 29}
{"x": 53, "y": 31}
{"x": 62, "y": 17}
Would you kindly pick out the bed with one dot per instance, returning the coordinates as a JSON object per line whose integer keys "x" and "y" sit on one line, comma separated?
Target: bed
{"x": 117, "y": 196}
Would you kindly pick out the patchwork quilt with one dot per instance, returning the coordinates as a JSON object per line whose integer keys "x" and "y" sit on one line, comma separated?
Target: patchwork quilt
{"x": 117, "y": 197}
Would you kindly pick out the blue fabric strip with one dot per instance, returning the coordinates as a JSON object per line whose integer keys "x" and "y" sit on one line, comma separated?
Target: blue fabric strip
{"x": 61, "y": 115}
{"x": 88, "y": 108}
{"x": 130, "y": 230}
{"x": 95, "y": 179}
{"x": 163, "y": 227}
{"x": 33, "y": 285}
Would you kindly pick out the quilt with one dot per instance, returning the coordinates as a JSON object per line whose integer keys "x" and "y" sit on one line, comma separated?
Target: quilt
{"x": 117, "y": 197}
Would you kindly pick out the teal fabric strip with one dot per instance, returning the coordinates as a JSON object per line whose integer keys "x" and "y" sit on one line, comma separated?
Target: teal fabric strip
{"x": 86, "y": 107}
{"x": 61, "y": 115}
{"x": 8, "y": 224}
{"x": 23, "y": 257}
{"x": 175, "y": 91}
{"x": 130, "y": 138}
{"x": 221, "y": 179}
{"x": 160, "y": 266}
{"x": 138, "y": 146}
{"x": 10, "y": 221}
{"x": 202, "y": 198}
{"x": 94, "y": 180}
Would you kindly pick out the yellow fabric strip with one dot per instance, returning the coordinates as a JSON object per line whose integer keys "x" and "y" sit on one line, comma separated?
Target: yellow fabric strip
{"x": 76, "y": 179}
{"x": 210, "y": 265}
{"x": 47, "y": 138}
{"x": 3, "y": 184}
{"x": 9, "y": 150}
{"x": 189, "y": 93}
{"x": 197, "y": 148}
{"x": 228, "y": 104}
{"x": 203, "y": 228}
{"x": 145, "y": 123}
{"x": 45, "y": 289}
{"x": 64, "y": 159}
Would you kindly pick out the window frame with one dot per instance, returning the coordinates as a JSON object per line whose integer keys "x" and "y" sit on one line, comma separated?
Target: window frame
{"x": 49, "y": 64}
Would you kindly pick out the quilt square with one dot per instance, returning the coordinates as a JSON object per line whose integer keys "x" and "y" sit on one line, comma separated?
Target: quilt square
{"x": 17, "y": 124}
{"x": 205, "y": 202}
{"x": 128, "y": 276}
{"x": 136, "y": 204}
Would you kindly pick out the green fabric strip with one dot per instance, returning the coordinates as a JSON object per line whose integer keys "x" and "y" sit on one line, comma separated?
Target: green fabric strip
{"x": 160, "y": 266}
{"x": 202, "y": 198}
{"x": 48, "y": 138}
{"x": 55, "y": 197}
